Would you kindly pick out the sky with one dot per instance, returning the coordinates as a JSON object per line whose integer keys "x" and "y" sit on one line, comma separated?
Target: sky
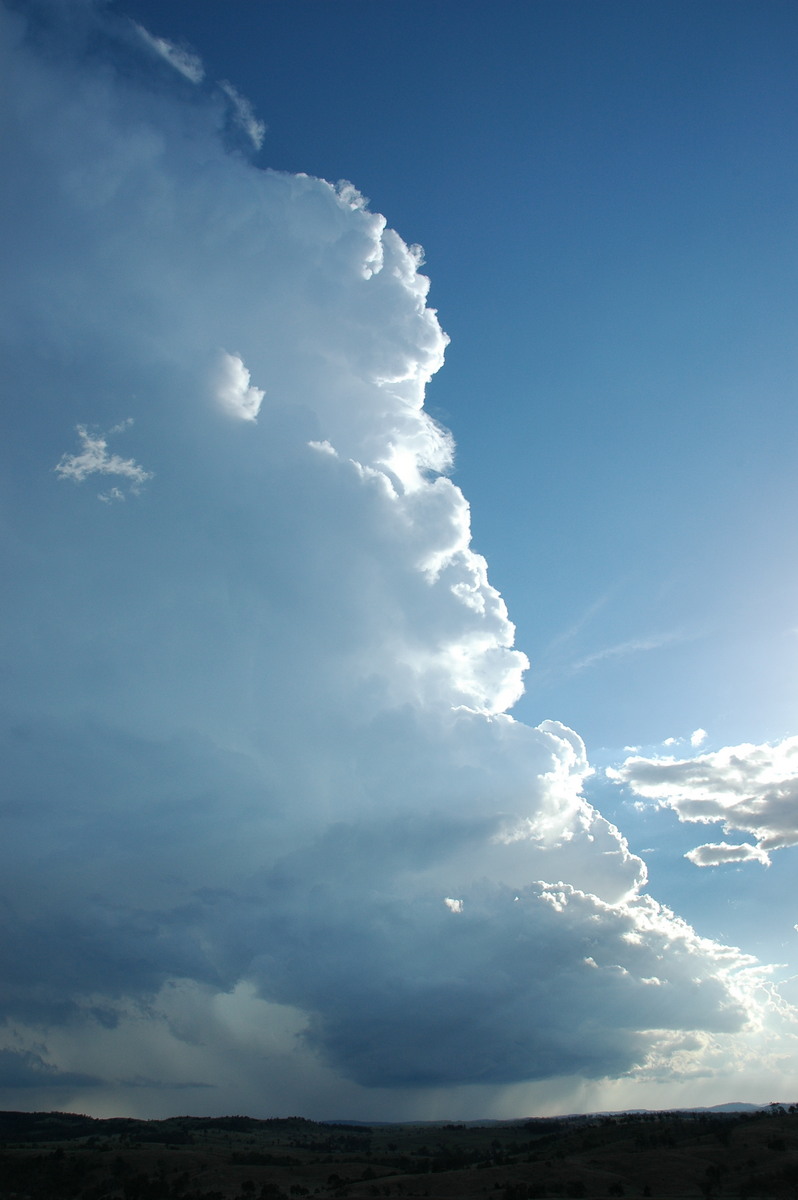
{"x": 400, "y": 630}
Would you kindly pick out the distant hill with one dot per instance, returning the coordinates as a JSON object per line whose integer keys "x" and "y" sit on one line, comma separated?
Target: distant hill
{"x": 732, "y": 1152}
{"x": 734, "y": 1106}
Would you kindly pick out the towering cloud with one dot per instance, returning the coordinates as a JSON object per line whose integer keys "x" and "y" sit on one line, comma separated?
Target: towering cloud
{"x": 262, "y": 788}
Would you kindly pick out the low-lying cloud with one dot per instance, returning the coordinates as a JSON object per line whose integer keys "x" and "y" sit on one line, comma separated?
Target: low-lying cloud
{"x": 262, "y": 790}
{"x": 747, "y": 788}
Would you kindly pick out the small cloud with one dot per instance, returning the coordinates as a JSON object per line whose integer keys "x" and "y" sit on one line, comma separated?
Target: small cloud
{"x": 671, "y": 741}
{"x": 111, "y": 495}
{"x": 94, "y": 458}
{"x": 698, "y": 736}
{"x": 244, "y": 114}
{"x": 185, "y": 61}
{"x": 713, "y": 853}
{"x": 233, "y": 389}
{"x": 455, "y": 906}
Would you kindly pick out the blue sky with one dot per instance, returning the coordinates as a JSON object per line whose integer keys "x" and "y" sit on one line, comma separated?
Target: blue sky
{"x": 263, "y": 798}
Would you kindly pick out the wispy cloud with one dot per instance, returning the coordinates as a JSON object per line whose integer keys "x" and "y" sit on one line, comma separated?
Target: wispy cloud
{"x": 244, "y": 114}
{"x": 184, "y": 60}
{"x": 639, "y": 645}
{"x": 560, "y": 657}
{"x": 94, "y": 458}
{"x": 568, "y": 636}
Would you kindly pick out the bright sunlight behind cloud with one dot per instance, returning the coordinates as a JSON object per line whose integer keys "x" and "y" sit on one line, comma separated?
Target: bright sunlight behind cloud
{"x": 270, "y": 829}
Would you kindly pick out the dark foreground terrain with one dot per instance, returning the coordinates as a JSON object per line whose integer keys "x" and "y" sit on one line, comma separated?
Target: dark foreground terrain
{"x": 61, "y": 1156}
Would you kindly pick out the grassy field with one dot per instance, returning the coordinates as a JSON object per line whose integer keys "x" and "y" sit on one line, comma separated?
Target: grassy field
{"x": 664, "y": 1156}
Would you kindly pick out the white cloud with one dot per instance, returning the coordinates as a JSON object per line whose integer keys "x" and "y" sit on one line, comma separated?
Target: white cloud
{"x": 185, "y": 61}
{"x": 251, "y": 746}
{"x": 234, "y": 391}
{"x": 753, "y": 788}
{"x": 93, "y": 458}
{"x": 244, "y": 115}
{"x": 712, "y": 853}
{"x": 698, "y": 736}
{"x": 111, "y": 496}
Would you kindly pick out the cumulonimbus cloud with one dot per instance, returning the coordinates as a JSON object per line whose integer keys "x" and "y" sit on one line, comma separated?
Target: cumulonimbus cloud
{"x": 256, "y": 741}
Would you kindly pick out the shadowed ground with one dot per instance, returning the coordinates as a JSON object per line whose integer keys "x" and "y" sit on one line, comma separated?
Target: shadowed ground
{"x": 61, "y": 1156}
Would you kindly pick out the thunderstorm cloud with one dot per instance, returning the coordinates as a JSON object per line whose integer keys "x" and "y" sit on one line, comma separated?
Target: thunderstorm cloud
{"x": 266, "y": 811}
